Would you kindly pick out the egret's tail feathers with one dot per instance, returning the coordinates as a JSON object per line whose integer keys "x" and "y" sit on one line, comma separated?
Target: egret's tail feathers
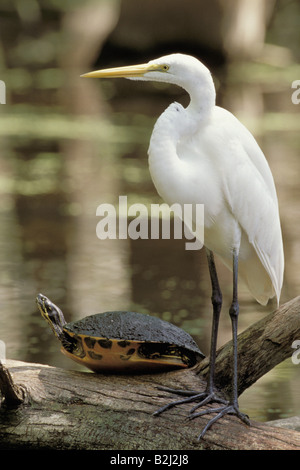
{"x": 259, "y": 276}
{"x": 273, "y": 269}
{"x": 257, "y": 280}
{"x": 262, "y": 284}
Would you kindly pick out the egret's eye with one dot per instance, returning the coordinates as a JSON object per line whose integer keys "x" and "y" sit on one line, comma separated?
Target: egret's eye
{"x": 165, "y": 68}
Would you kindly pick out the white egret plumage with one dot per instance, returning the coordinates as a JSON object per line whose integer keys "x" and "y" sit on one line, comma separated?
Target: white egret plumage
{"x": 202, "y": 154}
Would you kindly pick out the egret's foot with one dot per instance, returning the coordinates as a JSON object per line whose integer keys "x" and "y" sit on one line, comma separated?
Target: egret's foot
{"x": 221, "y": 411}
{"x": 191, "y": 396}
{"x": 203, "y": 398}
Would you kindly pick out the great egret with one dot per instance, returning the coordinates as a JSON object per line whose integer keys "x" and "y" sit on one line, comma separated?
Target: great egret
{"x": 202, "y": 154}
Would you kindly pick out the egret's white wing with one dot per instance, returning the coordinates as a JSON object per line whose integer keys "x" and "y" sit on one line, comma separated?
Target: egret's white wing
{"x": 251, "y": 196}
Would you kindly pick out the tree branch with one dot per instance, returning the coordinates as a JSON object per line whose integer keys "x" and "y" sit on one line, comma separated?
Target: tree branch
{"x": 260, "y": 348}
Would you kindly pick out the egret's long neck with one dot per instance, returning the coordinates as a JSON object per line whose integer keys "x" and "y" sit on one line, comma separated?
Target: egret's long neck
{"x": 175, "y": 124}
{"x": 203, "y": 97}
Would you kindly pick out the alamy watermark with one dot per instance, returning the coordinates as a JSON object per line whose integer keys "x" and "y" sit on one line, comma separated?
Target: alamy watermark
{"x": 296, "y": 100}
{"x": 2, "y": 92}
{"x": 187, "y": 220}
{"x": 2, "y": 352}
{"x": 296, "y": 94}
{"x": 296, "y": 354}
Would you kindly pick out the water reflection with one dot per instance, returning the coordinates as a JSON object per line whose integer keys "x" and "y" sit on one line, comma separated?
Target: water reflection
{"x": 51, "y": 188}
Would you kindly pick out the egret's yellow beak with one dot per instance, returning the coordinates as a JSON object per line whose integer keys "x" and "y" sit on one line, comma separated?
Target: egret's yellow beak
{"x": 125, "y": 72}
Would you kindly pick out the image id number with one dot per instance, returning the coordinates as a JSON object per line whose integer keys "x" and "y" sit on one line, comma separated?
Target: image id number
{"x": 171, "y": 459}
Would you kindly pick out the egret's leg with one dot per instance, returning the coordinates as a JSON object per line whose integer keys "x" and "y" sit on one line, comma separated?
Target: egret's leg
{"x": 234, "y": 314}
{"x": 232, "y": 407}
{"x": 216, "y": 299}
{"x": 209, "y": 395}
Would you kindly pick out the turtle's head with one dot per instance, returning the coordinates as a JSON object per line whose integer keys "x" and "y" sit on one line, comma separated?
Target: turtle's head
{"x": 51, "y": 313}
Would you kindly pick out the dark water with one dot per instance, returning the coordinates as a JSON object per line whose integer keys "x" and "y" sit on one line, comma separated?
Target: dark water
{"x": 57, "y": 168}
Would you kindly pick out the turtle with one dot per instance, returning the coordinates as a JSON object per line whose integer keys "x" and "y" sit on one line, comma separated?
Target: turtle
{"x": 121, "y": 341}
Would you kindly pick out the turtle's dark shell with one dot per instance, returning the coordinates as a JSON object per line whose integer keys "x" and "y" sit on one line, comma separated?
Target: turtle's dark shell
{"x": 132, "y": 326}
{"x": 128, "y": 341}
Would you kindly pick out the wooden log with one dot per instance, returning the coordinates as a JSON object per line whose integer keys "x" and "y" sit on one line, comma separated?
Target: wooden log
{"x": 64, "y": 409}
{"x": 86, "y": 411}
